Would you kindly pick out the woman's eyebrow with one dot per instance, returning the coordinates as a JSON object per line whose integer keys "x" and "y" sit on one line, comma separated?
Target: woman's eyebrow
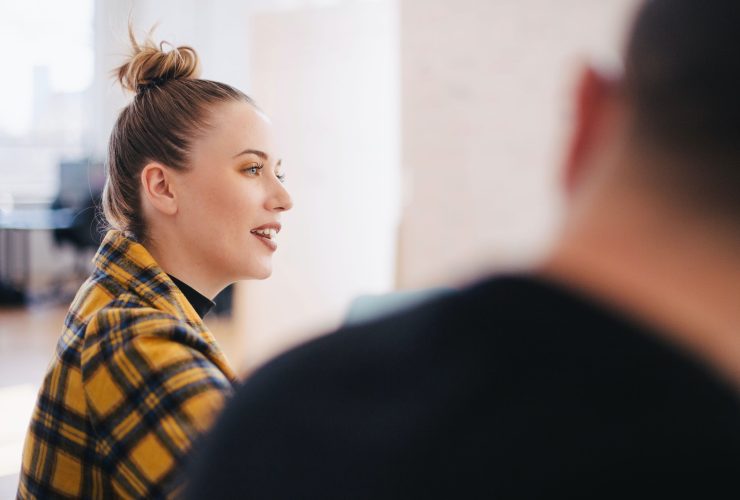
{"x": 257, "y": 152}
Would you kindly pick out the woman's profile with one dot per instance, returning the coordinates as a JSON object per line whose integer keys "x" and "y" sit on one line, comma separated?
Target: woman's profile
{"x": 193, "y": 200}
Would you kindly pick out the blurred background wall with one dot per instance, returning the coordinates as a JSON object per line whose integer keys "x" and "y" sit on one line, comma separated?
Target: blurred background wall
{"x": 329, "y": 77}
{"x": 485, "y": 97}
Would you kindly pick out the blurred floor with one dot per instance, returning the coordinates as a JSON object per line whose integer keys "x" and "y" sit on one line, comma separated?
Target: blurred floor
{"x": 27, "y": 339}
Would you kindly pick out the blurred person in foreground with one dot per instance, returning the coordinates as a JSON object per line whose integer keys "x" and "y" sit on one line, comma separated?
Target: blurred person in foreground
{"x": 611, "y": 370}
{"x": 193, "y": 198}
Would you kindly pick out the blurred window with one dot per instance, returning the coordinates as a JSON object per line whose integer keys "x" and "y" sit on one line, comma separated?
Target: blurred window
{"x": 47, "y": 51}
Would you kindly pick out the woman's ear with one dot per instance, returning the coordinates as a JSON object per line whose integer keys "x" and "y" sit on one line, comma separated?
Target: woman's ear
{"x": 158, "y": 188}
{"x": 592, "y": 95}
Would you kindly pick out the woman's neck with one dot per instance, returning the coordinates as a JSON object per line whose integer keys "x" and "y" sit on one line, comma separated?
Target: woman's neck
{"x": 175, "y": 261}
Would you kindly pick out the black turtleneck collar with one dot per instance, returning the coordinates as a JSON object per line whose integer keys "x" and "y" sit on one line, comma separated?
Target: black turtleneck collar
{"x": 200, "y": 303}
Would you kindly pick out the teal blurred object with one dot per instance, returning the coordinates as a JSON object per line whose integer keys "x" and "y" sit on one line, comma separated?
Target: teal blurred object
{"x": 369, "y": 307}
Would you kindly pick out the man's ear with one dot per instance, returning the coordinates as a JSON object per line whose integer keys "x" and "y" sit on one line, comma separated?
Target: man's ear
{"x": 592, "y": 94}
{"x": 158, "y": 189}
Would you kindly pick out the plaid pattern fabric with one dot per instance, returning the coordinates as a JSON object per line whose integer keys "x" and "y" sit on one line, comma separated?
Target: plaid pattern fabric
{"x": 136, "y": 377}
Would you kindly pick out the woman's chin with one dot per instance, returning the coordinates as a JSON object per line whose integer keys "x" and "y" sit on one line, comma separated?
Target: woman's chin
{"x": 259, "y": 274}
{"x": 253, "y": 269}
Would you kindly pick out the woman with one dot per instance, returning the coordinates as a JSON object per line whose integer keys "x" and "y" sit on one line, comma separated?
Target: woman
{"x": 193, "y": 197}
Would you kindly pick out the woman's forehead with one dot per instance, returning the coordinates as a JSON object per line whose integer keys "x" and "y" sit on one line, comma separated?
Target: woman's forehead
{"x": 241, "y": 115}
{"x": 239, "y": 127}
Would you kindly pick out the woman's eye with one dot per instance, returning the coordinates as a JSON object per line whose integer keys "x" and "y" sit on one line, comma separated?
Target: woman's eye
{"x": 281, "y": 177}
{"x": 253, "y": 170}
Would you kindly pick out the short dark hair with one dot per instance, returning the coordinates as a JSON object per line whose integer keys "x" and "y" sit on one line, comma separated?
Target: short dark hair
{"x": 682, "y": 75}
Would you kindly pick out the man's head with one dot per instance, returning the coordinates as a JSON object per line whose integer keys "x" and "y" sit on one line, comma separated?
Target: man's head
{"x": 669, "y": 125}
{"x": 653, "y": 174}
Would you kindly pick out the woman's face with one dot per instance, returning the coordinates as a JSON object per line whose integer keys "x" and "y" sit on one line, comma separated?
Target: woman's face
{"x": 231, "y": 198}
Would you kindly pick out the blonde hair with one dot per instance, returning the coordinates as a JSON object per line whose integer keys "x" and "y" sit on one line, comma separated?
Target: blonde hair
{"x": 169, "y": 110}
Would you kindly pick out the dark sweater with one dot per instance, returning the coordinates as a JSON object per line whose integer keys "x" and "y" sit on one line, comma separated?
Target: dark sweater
{"x": 513, "y": 388}
{"x": 201, "y": 304}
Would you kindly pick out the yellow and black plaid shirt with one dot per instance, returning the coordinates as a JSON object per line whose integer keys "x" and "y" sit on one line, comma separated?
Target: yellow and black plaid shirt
{"x": 135, "y": 379}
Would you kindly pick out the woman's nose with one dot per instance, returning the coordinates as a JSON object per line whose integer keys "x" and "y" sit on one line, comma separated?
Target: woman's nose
{"x": 281, "y": 199}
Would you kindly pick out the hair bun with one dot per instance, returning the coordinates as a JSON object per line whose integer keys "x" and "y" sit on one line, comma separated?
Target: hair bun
{"x": 149, "y": 65}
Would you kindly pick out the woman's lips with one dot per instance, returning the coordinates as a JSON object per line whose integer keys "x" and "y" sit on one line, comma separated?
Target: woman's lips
{"x": 267, "y": 241}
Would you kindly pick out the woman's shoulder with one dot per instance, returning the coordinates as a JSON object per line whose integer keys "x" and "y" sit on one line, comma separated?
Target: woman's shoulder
{"x": 128, "y": 317}
{"x": 120, "y": 324}
{"x": 137, "y": 341}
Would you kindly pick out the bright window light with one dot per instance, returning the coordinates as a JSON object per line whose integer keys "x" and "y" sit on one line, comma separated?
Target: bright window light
{"x": 42, "y": 36}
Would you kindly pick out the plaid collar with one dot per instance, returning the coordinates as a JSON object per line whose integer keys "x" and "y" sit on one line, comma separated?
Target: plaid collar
{"x": 132, "y": 268}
